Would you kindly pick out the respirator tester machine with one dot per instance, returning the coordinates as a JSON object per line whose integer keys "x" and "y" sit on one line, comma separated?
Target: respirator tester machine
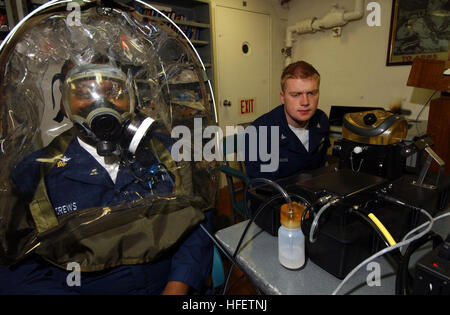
{"x": 368, "y": 201}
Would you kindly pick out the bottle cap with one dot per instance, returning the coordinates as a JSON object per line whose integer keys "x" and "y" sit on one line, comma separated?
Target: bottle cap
{"x": 291, "y": 217}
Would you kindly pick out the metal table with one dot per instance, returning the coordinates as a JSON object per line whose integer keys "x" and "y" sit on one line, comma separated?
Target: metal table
{"x": 258, "y": 259}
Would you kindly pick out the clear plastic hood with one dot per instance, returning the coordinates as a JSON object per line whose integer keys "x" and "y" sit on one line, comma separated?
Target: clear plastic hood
{"x": 44, "y": 152}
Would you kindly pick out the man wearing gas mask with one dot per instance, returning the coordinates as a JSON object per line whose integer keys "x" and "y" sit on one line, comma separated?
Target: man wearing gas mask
{"x": 99, "y": 99}
{"x": 113, "y": 156}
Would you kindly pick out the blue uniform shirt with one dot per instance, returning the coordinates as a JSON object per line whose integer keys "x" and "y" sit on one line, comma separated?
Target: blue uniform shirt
{"x": 293, "y": 156}
{"x": 80, "y": 182}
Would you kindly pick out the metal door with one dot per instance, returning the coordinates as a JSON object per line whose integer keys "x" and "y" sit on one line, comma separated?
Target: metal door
{"x": 243, "y": 63}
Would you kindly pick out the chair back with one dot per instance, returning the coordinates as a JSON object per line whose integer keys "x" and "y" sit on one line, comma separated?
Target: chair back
{"x": 234, "y": 170}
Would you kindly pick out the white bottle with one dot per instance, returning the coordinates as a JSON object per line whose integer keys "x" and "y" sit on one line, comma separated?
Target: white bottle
{"x": 291, "y": 241}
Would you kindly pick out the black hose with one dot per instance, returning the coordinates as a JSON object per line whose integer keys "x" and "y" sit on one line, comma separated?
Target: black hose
{"x": 403, "y": 278}
{"x": 258, "y": 211}
{"x": 374, "y": 227}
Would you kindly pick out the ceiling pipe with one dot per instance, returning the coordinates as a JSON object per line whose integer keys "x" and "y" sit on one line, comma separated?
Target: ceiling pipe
{"x": 336, "y": 18}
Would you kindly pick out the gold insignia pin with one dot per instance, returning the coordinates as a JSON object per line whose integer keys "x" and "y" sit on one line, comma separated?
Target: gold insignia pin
{"x": 94, "y": 172}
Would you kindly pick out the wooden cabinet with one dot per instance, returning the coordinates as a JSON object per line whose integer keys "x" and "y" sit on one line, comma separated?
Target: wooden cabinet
{"x": 439, "y": 129}
{"x": 429, "y": 74}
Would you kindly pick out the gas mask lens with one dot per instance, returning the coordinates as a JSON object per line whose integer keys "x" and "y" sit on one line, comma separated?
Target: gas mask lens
{"x": 91, "y": 88}
{"x": 85, "y": 95}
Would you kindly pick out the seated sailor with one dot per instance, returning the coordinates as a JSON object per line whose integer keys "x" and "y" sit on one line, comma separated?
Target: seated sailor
{"x": 114, "y": 156}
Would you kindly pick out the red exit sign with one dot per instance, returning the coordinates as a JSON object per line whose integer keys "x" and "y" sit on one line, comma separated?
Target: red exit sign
{"x": 248, "y": 106}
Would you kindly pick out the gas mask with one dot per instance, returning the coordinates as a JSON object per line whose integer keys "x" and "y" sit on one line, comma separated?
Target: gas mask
{"x": 99, "y": 99}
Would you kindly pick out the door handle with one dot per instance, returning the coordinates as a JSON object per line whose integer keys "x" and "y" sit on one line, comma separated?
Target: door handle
{"x": 226, "y": 103}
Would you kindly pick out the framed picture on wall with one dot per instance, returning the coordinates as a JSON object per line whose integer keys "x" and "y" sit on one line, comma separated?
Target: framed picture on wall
{"x": 419, "y": 28}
